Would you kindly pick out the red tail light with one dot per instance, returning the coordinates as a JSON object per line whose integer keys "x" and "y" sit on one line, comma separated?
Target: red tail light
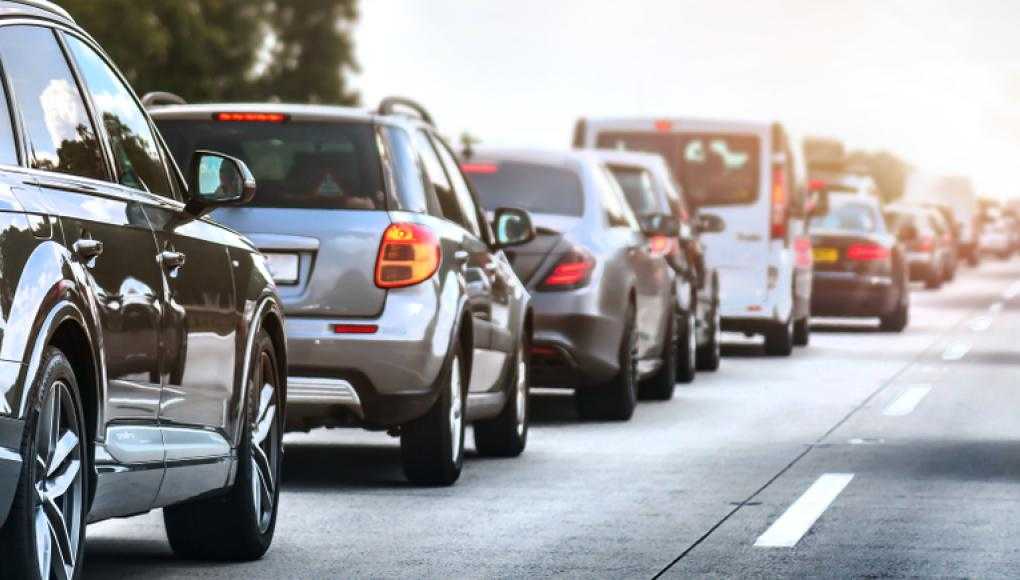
{"x": 817, "y": 185}
{"x": 661, "y": 245}
{"x": 866, "y": 252}
{"x": 572, "y": 271}
{"x": 251, "y": 117}
{"x": 663, "y": 125}
{"x": 925, "y": 244}
{"x": 408, "y": 255}
{"x": 779, "y": 202}
{"x": 480, "y": 168}
{"x": 802, "y": 252}
{"x": 355, "y": 328}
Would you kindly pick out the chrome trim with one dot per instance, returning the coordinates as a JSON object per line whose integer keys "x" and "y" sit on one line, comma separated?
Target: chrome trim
{"x": 183, "y": 443}
{"x": 321, "y": 390}
{"x": 280, "y": 242}
{"x": 134, "y": 444}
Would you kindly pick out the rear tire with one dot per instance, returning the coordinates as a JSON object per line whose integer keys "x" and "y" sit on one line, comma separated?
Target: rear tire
{"x": 507, "y": 434}
{"x": 432, "y": 446}
{"x": 779, "y": 339}
{"x": 239, "y": 525}
{"x": 802, "y": 332}
{"x": 899, "y": 318}
{"x": 615, "y": 400}
{"x": 933, "y": 278}
{"x": 660, "y": 386}
{"x": 710, "y": 353}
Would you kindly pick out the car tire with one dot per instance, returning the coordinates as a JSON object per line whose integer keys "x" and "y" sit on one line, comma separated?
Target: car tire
{"x": 616, "y": 399}
{"x": 34, "y": 538}
{"x": 779, "y": 339}
{"x": 710, "y": 353}
{"x": 239, "y": 525}
{"x": 899, "y": 318}
{"x": 507, "y": 434}
{"x": 660, "y": 386}
{"x": 933, "y": 278}
{"x": 802, "y": 332}
{"x": 432, "y": 446}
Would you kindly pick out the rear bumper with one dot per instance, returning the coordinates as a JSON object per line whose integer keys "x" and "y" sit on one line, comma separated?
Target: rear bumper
{"x": 574, "y": 344}
{"x": 11, "y": 433}
{"x": 921, "y": 265}
{"x": 852, "y": 294}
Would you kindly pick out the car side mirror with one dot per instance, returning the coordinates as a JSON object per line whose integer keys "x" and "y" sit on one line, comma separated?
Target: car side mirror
{"x": 512, "y": 227}
{"x": 908, "y": 233}
{"x": 710, "y": 223}
{"x": 218, "y": 180}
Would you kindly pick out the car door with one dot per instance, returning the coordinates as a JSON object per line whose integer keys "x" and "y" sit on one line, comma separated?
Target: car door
{"x": 197, "y": 330}
{"x": 105, "y": 228}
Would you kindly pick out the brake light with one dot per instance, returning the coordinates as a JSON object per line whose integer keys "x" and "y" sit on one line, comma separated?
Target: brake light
{"x": 779, "y": 202}
{"x": 482, "y": 168}
{"x": 355, "y": 328}
{"x": 660, "y": 245}
{"x": 926, "y": 244}
{"x": 663, "y": 125}
{"x": 251, "y": 117}
{"x": 866, "y": 252}
{"x": 572, "y": 271}
{"x": 817, "y": 185}
{"x": 408, "y": 255}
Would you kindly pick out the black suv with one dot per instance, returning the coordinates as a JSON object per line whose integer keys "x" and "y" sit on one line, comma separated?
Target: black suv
{"x": 142, "y": 355}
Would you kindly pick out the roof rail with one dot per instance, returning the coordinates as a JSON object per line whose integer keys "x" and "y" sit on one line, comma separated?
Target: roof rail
{"x": 157, "y": 98}
{"x": 47, "y": 6}
{"x": 389, "y": 105}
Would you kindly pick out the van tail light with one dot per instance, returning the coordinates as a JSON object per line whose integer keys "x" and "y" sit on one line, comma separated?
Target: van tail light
{"x": 866, "y": 252}
{"x": 409, "y": 254}
{"x": 925, "y": 244}
{"x": 780, "y": 202}
{"x": 572, "y": 271}
{"x": 660, "y": 246}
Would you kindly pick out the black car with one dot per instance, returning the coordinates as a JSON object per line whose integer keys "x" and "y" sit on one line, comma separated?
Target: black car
{"x": 860, "y": 269}
{"x": 142, "y": 357}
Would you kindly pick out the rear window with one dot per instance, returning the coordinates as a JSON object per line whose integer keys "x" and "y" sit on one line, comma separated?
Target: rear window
{"x": 848, "y": 215}
{"x": 713, "y": 169}
{"x": 296, "y": 164}
{"x": 530, "y": 186}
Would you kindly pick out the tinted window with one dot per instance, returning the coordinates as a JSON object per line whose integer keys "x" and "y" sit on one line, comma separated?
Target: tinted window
{"x": 134, "y": 147}
{"x": 296, "y": 164}
{"x": 848, "y": 215}
{"x": 713, "y": 169}
{"x": 8, "y": 148}
{"x": 530, "y": 186}
{"x": 59, "y": 135}
{"x": 448, "y": 204}
{"x": 618, "y": 213}
{"x": 637, "y": 186}
{"x": 460, "y": 187}
{"x": 407, "y": 172}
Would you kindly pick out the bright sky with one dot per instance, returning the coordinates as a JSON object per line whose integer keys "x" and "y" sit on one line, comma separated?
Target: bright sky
{"x": 937, "y": 82}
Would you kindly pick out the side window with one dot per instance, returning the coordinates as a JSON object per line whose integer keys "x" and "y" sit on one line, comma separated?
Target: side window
{"x": 437, "y": 175}
{"x": 413, "y": 189}
{"x": 618, "y": 214}
{"x": 461, "y": 189}
{"x": 59, "y": 135}
{"x": 135, "y": 152}
{"x": 8, "y": 147}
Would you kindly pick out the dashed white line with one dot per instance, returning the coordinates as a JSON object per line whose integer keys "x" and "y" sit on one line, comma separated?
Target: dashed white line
{"x": 995, "y": 308}
{"x": 1012, "y": 291}
{"x": 907, "y": 402}
{"x": 803, "y": 513}
{"x": 981, "y": 323}
{"x": 956, "y": 351}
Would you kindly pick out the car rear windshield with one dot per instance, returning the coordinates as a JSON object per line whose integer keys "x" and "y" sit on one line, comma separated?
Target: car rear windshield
{"x": 638, "y": 188}
{"x": 713, "y": 168}
{"x": 531, "y": 186}
{"x": 848, "y": 215}
{"x": 296, "y": 164}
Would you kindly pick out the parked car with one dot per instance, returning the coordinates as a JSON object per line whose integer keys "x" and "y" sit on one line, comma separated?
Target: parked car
{"x": 655, "y": 198}
{"x": 751, "y": 175}
{"x": 403, "y": 311}
{"x": 860, "y": 269}
{"x": 602, "y": 296}
{"x": 926, "y": 249}
{"x": 143, "y": 354}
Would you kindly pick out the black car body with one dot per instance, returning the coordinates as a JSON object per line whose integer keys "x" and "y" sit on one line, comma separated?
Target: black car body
{"x": 142, "y": 357}
{"x": 926, "y": 247}
{"x": 859, "y": 267}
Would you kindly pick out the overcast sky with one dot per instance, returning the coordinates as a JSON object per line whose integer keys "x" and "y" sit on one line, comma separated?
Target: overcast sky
{"x": 936, "y": 82}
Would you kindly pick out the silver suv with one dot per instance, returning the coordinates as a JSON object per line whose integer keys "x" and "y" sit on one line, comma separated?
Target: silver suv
{"x": 403, "y": 312}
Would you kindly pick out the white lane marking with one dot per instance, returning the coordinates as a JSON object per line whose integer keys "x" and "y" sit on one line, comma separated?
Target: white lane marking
{"x": 799, "y": 517}
{"x": 866, "y": 441}
{"x": 956, "y": 351}
{"x": 995, "y": 308}
{"x": 981, "y": 323}
{"x": 1013, "y": 291}
{"x": 907, "y": 402}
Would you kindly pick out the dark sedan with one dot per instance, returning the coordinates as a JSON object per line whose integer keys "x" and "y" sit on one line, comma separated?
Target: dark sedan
{"x": 860, "y": 269}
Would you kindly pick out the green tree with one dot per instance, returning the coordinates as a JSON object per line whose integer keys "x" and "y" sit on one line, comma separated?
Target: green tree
{"x": 214, "y": 50}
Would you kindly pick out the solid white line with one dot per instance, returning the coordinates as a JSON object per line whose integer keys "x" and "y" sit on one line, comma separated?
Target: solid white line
{"x": 799, "y": 517}
{"x": 956, "y": 351}
{"x": 907, "y": 402}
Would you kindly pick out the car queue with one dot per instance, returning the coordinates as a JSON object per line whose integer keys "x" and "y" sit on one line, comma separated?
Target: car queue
{"x": 185, "y": 282}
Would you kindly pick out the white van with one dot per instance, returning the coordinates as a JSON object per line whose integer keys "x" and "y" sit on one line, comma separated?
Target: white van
{"x": 752, "y": 177}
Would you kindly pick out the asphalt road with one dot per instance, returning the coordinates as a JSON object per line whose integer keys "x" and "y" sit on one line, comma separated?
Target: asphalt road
{"x": 864, "y": 454}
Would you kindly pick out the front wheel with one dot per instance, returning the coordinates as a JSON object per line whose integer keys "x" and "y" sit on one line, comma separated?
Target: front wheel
{"x": 432, "y": 446}
{"x": 710, "y": 353}
{"x": 44, "y": 536}
{"x": 779, "y": 339}
{"x": 239, "y": 525}
{"x": 507, "y": 434}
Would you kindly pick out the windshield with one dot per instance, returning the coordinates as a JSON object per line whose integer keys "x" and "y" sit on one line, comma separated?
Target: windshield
{"x": 531, "y": 186}
{"x": 848, "y": 215}
{"x": 713, "y": 169}
{"x": 296, "y": 165}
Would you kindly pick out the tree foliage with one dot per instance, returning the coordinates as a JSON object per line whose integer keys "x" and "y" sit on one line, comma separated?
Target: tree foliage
{"x": 889, "y": 171}
{"x": 237, "y": 50}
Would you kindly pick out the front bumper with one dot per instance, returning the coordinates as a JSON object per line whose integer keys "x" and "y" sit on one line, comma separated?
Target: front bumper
{"x": 11, "y": 434}
{"x": 852, "y": 294}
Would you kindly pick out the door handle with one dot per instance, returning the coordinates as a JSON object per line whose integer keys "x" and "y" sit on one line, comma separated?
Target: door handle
{"x": 171, "y": 260}
{"x": 87, "y": 249}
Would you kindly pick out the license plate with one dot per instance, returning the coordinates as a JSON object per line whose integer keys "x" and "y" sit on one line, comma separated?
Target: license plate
{"x": 283, "y": 267}
{"x": 826, "y": 255}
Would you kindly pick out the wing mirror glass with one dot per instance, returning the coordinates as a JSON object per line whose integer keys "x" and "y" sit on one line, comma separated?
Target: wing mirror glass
{"x": 512, "y": 227}
{"x": 218, "y": 180}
